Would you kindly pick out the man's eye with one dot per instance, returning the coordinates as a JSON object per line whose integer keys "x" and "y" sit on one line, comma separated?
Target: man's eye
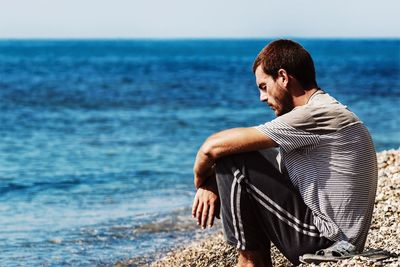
{"x": 262, "y": 87}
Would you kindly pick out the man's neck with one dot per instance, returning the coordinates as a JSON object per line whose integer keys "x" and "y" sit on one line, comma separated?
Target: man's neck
{"x": 302, "y": 98}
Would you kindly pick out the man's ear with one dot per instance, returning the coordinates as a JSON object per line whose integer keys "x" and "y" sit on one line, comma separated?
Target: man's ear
{"x": 283, "y": 77}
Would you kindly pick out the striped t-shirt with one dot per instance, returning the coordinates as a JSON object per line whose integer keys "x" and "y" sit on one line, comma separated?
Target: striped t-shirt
{"x": 330, "y": 158}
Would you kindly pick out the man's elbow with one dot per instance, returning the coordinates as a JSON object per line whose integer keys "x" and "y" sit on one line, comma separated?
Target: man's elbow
{"x": 211, "y": 150}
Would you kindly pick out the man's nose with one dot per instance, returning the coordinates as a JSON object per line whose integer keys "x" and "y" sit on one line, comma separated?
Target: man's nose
{"x": 263, "y": 96}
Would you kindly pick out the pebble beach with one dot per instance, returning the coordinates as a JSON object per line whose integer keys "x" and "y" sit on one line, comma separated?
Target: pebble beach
{"x": 384, "y": 232}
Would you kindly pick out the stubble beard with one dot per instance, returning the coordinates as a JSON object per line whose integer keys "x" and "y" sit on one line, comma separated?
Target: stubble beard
{"x": 286, "y": 104}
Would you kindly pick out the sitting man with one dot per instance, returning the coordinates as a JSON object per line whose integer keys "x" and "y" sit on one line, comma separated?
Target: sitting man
{"x": 315, "y": 190}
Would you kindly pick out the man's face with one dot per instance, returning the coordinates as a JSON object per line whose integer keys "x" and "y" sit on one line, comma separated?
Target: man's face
{"x": 273, "y": 93}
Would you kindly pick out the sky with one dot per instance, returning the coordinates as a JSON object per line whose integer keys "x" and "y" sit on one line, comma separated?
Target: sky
{"x": 199, "y": 18}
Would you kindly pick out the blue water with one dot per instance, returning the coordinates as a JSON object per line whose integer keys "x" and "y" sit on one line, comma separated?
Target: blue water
{"x": 98, "y": 137}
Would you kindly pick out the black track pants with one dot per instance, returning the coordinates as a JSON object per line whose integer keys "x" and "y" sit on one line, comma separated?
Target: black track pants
{"x": 259, "y": 204}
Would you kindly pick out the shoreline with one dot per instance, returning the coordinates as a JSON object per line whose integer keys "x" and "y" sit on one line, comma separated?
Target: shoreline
{"x": 211, "y": 249}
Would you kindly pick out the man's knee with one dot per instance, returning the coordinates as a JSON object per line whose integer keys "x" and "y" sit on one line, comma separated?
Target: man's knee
{"x": 224, "y": 175}
{"x": 222, "y": 163}
{"x": 233, "y": 166}
{"x": 236, "y": 160}
{"x": 233, "y": 162}
{"x": 225, "y": 167}
{"x": 226, "y": 170}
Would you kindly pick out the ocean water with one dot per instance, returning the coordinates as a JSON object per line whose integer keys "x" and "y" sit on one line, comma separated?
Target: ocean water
{"x": 98, "y": 137}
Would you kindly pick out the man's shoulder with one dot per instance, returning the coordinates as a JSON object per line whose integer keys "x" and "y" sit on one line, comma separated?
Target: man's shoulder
{"x": 322, "y": 114}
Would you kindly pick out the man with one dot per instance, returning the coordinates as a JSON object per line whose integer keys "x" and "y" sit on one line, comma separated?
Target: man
{"x": 318, "y": 192}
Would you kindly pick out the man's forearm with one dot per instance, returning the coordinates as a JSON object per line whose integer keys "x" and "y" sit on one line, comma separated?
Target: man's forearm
{"x": 224, "y": 143}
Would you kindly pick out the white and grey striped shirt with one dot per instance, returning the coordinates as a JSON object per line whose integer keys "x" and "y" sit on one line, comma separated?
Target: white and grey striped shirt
{"x": 330, "y": 158}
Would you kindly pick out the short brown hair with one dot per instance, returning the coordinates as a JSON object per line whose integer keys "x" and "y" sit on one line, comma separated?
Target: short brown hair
{"x": 290, "y": 56}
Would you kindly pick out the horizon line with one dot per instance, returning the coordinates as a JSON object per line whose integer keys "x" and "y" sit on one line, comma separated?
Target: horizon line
{"x": 194, "y": 38}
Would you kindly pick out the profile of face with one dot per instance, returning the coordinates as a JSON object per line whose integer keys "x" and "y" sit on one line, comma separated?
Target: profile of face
{"x": 274, "y": 92}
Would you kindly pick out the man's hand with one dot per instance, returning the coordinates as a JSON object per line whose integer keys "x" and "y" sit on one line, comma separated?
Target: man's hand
{"x": 206, "y": 203}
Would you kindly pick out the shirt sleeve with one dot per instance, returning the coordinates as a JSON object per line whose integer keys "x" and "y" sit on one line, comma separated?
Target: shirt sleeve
{"x": 285, "y": 131}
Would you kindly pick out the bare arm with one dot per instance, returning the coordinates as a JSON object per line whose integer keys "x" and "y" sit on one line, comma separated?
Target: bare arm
{"x": 224, "y": 143}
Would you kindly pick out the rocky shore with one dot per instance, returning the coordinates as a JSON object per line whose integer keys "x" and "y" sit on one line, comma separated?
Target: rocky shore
{"x": 384, "y": 232}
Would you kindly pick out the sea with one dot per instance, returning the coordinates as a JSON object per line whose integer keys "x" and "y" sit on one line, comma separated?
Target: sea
{"x": 98, "y": 137}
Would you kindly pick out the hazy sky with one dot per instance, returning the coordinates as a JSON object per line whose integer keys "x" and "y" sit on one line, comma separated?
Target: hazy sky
{"x": 201, "y": 18}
